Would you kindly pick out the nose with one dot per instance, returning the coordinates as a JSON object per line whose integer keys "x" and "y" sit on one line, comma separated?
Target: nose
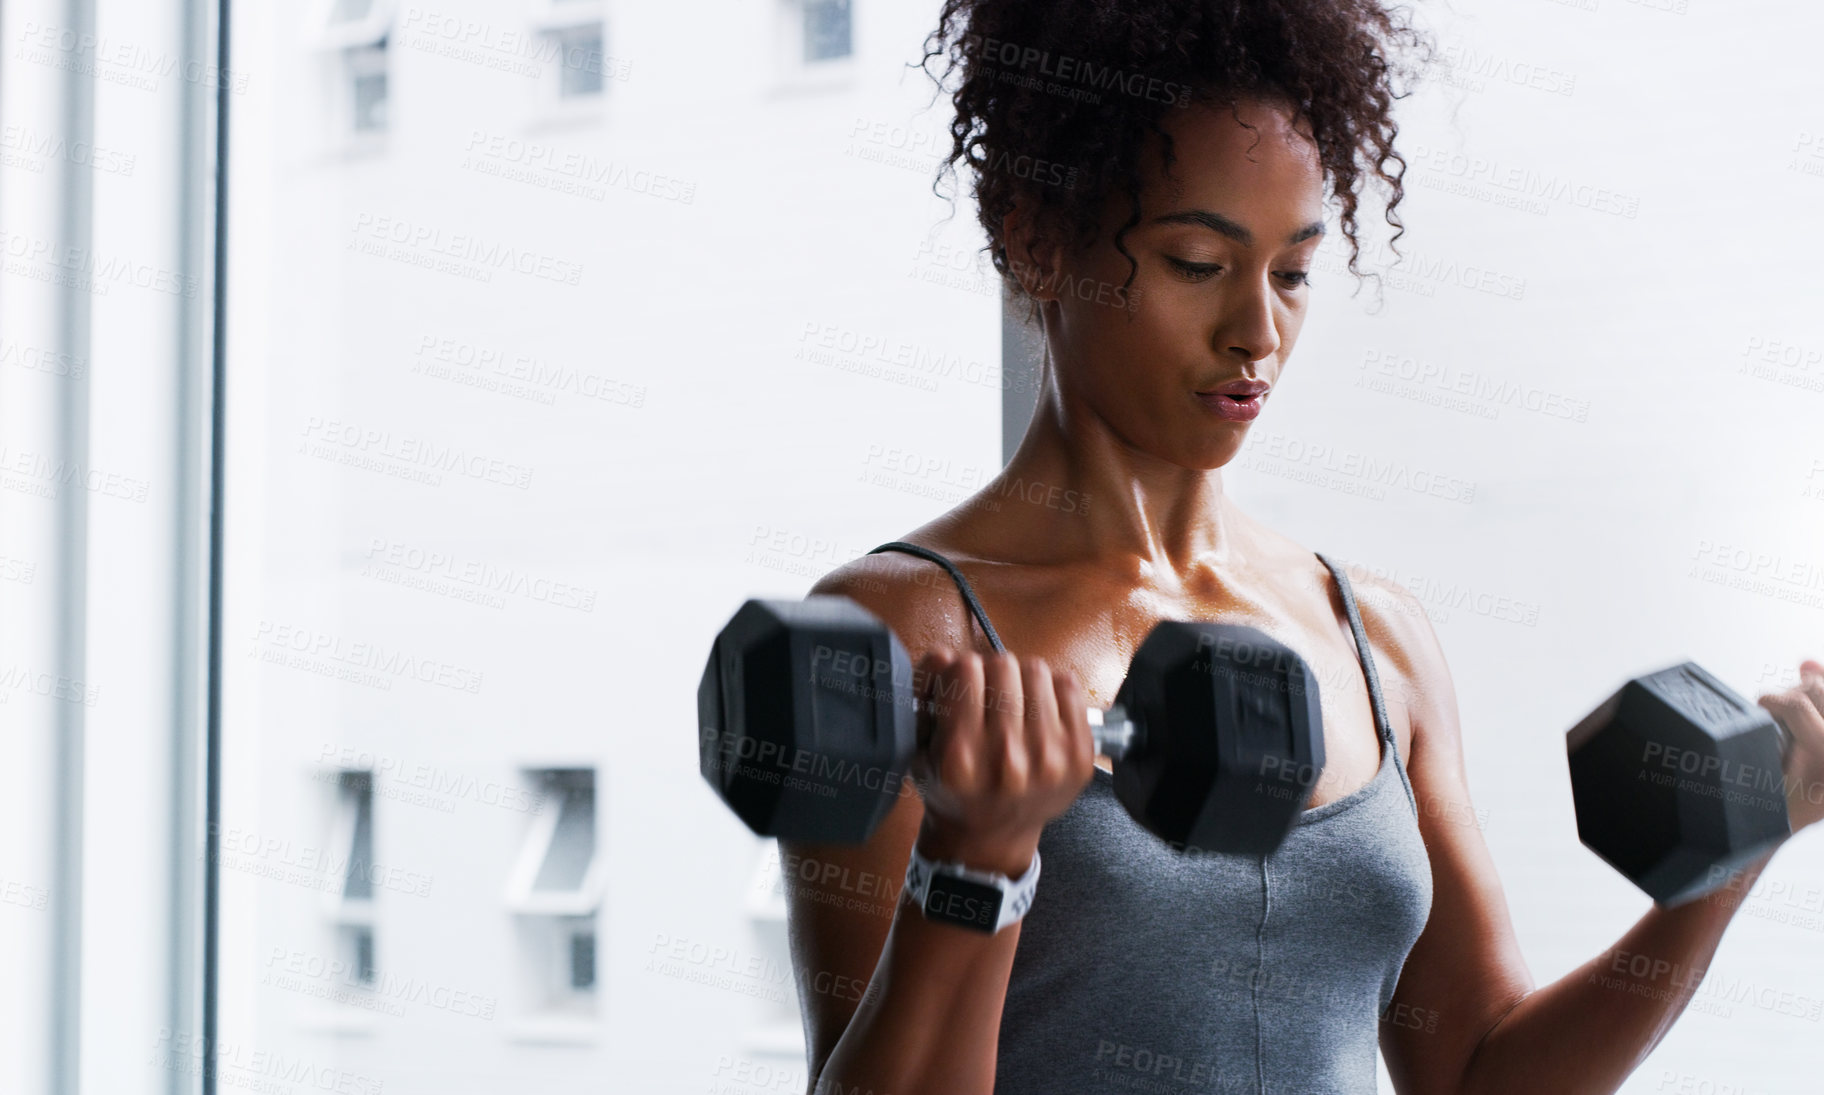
{"x": 1249, "y": 329}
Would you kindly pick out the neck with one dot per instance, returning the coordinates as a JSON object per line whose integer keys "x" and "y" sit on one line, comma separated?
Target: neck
{"x": 1077, "y": 492}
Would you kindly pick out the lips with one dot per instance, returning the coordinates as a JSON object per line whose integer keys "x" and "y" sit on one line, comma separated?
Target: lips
{"x": 1235, "y": 400}
{"x": 1239, "y": 389}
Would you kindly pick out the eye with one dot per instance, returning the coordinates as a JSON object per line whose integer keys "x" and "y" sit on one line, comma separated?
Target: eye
{"x": 1297, "y": 277}
{"x": 1194, "y": 271}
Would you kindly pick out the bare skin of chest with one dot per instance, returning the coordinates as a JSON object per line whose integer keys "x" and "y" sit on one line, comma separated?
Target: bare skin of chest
{"x": 1091, "y": 626}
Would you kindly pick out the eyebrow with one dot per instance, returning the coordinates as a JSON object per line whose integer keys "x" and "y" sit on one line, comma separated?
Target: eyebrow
{"x": 1216, "y": 222}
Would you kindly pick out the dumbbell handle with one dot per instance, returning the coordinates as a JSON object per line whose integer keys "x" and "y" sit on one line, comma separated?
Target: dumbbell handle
{"x": 1115, "y": 732}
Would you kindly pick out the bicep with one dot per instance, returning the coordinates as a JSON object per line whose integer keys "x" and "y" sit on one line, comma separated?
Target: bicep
{"x": 1466, "y": 969}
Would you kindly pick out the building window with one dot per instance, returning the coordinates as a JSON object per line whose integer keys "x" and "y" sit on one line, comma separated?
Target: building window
{"x": 572, "y": 846}
{"x": 814, "y": 45}
{"x": 343, "y": 12}
{"x": 358, "y": 954}
{"x": 555, "y": 894}
{"x": 827, "y": 30}
{"x": 340, "y": 24}
{"x": 367, "y": 83}
{"x": 352, "y": 843}
{"x": 573, "y": 51}
{"x": 582, "y": 959}
{"x": 558, "y": 871}
{"x": 349, "y": 888}
{"x": 580, "y": 61}
{"x": 351, "y": 36}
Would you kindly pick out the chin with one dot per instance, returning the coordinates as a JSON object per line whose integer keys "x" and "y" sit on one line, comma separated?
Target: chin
{"x": 1209, "y": 458}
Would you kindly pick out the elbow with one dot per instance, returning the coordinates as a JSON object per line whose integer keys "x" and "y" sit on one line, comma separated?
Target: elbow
{"x": 1471, "y": 1078}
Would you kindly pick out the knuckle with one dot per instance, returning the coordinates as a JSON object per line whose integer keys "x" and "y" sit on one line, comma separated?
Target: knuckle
{"x": 957, "y": 762}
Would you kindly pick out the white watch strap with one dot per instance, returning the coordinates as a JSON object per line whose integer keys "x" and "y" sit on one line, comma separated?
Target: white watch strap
{"x": 986, "y": 901}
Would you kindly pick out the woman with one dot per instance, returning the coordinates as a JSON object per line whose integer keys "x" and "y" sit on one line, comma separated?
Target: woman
{"x": 1170, "y": 275}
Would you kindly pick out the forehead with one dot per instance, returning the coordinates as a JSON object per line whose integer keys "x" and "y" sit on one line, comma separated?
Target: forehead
{"x": 1272, "y": 169}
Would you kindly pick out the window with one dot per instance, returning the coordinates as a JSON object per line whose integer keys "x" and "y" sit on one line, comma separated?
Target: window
{"x": 814, "y": 44}
{"x": 351, "y": 848}
{"x": 347, "y": 879}
{"x": 351, "y": 39}
{"x": 582, "y": 958}
{"x": 341, "y": 24}
{"x": 826, "y": 30}
{"x": 367, "y": 82}
{"x": 580, "y": 61}
{"x": 557, "y": 870}
{"x": 572, "y": 50}
{"x": 555, "y": 893}
{"x": 357, "y": 957}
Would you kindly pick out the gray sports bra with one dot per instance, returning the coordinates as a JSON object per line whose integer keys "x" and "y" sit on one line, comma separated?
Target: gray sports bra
{"x": 1142, "y": 969}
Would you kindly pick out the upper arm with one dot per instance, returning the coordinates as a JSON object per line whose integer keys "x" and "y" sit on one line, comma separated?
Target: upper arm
{"x": 840, "y": 899}
{"x": 1466, "y": 971}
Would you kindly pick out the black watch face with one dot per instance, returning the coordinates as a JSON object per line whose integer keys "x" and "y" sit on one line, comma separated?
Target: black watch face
{"x": 962, "y": 902}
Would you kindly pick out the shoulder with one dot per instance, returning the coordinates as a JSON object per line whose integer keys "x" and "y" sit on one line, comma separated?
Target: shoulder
{"x": 1408, "y": 655}
{"x": 1394, "y": 617}
{"x": 1408, "y": 658}
{"x": 914, "y": 596}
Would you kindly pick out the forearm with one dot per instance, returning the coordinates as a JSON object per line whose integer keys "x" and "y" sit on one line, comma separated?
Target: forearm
{"x": 931, "y": 1015}
{"x": 1589, "y": 1030}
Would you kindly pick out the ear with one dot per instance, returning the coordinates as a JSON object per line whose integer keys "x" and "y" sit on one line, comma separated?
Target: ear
{"x": 1031, "y": 261}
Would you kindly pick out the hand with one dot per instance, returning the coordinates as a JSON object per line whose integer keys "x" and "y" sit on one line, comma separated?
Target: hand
{"x": 1801, "y": 711}
{"x": 1008, "y": 749}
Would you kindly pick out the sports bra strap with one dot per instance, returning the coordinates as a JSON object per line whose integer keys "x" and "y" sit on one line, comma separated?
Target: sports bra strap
{"x": 1382, "y": 725}
{"x": 975, "y": 606}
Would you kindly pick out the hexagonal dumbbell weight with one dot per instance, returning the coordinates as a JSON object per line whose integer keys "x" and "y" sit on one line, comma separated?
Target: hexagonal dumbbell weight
{"x": 806, "y": 716}
{"x": 1678, "y": 782}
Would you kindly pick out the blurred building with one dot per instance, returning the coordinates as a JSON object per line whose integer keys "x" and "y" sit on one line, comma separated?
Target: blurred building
{"x": 508, "y": 270}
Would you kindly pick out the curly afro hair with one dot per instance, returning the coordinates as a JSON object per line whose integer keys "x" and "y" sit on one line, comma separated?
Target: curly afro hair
{"x": 1058, "y": 97}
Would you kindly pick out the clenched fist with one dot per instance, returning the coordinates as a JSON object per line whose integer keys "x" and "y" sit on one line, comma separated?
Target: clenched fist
{"x": 1004, "y": 748}
{"x": 1801, "y": 711}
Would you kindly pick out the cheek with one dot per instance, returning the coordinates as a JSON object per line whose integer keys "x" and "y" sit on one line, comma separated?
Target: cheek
{"x": 1130, "y": 349}
{"x": 1289, "y": 327}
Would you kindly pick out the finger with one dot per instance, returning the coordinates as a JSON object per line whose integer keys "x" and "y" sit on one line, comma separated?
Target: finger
{"x": 957, "y": 745}
{"x": 1044, "y": 753}
{"x": 1073, "y": 710}
{"x": 926, "y": 691}
{"x": 1810, "y": 692}
{"x": 1004, "y": 731}
{"x": 1811, "y": 682}
{"x": 1799, "y": 714}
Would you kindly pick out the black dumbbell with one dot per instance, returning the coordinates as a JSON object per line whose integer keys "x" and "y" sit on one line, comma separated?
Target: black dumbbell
{"x": 806, "y": 716}
{"x": 1678, "y": 782}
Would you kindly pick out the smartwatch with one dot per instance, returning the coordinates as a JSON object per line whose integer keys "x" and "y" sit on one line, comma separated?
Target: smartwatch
{"x": 985, "y": 901}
